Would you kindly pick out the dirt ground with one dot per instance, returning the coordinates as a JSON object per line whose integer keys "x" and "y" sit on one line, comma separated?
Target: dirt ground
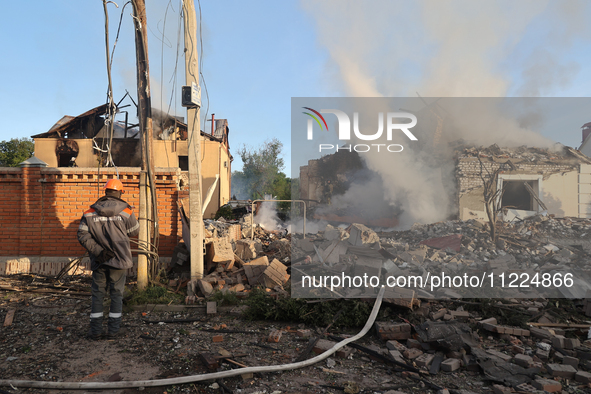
{"x": 47, "y": 342}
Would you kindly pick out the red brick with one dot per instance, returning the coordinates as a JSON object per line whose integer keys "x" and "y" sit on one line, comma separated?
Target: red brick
{"x": 550, "y": 386}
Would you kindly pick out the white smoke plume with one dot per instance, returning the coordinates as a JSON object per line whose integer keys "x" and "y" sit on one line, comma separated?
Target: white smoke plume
{"x": 447, "y": 48}
{"x": 312, "y": 226}
{"x": 266, "y": 216}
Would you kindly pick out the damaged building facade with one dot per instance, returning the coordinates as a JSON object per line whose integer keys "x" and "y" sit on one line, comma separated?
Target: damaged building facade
{"x": 529, "y": 181}
{"x": 83, "y": 141}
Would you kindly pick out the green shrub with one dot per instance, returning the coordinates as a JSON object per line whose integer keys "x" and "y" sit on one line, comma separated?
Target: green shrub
{"x": 155, "y": 295}
{"x": 261, "y": 306}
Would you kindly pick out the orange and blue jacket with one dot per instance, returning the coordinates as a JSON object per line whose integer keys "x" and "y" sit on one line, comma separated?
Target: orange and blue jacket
{"x": 108, "y": 224}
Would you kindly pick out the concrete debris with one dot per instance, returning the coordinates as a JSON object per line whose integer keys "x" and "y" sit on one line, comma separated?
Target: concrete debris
{"x": 444, "y": 336}
{"x": 236, "y": 263}
{"x": 448, "y": 336}
{"x": 360, "y": 234}
{"x": 247, "y": 249}
{"x": 541, "y": 245}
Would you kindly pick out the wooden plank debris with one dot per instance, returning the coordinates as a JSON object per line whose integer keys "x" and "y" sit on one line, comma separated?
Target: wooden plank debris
{"x": 9, "y": 317}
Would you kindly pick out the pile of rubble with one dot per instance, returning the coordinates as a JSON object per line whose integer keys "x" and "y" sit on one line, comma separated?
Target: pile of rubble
{"x": 539, "y": 244}
{"x": 538, "y": 354}
{"x": 527, "y": 360}
{"x": 237, "y": 264}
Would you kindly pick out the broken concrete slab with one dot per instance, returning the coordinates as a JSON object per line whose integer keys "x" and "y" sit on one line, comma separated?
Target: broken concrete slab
{"x": 331, "y": 254}
{"x": 503, "y": 372}
{"x": 305, "y": 244}
{"x": 368, "y": 266}
{"x": 395, "y": 345}
{"x": 333, "y": 233}
{"x": 211, "y": 307}
{"x": 450, "y": 365}
{"x": 500, "y": 355}
{"x": 254, "y": 269}
{"x": 360, "y": 234}
{"x": 498, "y": 389}
{"x": 396, "y": 355}
{"x": 205, "y": 287}
{"x": 246, "y": 249}
{"x": 220, "y": 251}
{"x": 452, "y": 335}
{"x": 436, "y": 363}
{"x": 402, "y": 297}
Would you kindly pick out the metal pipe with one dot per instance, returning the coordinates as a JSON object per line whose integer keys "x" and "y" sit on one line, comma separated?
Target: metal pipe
{"x": 252, "y": 213}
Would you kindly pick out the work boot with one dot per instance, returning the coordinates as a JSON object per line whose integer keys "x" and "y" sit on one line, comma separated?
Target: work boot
{"x": 114, "y": 327}
{"x": 96, "y": 328}
{"x": 121, "y": 333}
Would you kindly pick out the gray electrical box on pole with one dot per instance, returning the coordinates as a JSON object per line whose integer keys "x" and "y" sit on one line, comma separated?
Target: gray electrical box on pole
{"x": 194, "y": 142}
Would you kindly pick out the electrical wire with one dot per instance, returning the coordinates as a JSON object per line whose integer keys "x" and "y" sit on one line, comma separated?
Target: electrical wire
{"x": 162, "y": 61}
{"x": 118, "y": 30}
{"x": 201, "y": 64}
{"x": 173, "y": 78}
{"x": 110, "y": 102}
{"x": 162, "y": 78}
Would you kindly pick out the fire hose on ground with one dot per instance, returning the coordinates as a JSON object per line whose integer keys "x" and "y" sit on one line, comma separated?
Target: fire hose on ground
{"x": 199, "y": 378}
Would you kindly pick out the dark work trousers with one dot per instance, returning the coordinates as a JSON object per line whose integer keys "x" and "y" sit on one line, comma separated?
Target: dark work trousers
{"x": 106, "y": 279}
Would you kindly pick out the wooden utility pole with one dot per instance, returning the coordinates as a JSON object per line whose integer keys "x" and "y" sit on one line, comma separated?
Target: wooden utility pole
{"x": 146, "y": 136}
{"x": 193, "y": 124}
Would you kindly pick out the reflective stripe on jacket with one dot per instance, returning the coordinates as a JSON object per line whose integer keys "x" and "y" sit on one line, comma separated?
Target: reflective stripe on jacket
{"x": 108, "y": 224}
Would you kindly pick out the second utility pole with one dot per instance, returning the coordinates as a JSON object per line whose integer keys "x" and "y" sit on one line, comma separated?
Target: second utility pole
{"x": 146, "y": 214}
{"x": 194, "y": 130}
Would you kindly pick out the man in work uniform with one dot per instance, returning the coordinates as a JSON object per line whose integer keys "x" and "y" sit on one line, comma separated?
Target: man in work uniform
{"x": 104, "y": 231}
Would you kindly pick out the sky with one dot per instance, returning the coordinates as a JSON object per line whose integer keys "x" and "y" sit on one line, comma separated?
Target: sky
{"x": 257, "y": 55}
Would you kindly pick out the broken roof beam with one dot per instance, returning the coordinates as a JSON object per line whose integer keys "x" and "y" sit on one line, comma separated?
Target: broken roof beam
{"x": 535, "y": 197}
{"x": 72, "y": 124}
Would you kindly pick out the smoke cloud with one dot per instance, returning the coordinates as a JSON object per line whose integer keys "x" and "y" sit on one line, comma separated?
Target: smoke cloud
{"x": 266, "y": 217}
{"x": 447, "y": 48}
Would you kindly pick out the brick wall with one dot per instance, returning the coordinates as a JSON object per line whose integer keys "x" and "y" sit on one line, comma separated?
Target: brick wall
{"x": 40, "y": 208}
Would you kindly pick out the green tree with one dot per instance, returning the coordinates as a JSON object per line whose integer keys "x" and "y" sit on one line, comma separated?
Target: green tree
{"x": 261, "y": 173}
{"x": 15, "y": 151}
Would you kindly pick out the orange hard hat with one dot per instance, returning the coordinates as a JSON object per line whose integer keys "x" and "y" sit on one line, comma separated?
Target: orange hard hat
{"x": 114, "y": 184}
